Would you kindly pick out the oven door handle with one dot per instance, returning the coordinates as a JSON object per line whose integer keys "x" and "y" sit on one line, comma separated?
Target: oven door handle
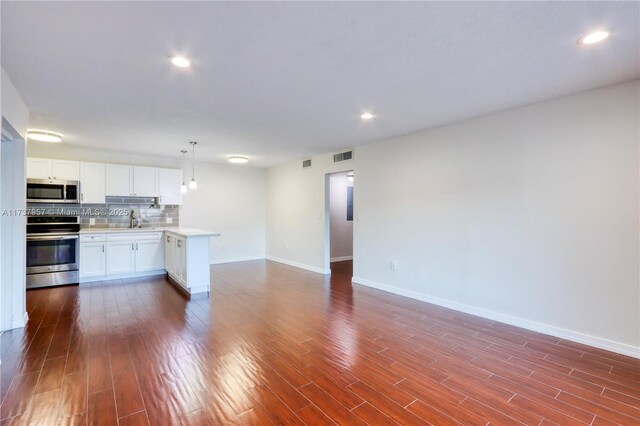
{"x": 65, "y": 237}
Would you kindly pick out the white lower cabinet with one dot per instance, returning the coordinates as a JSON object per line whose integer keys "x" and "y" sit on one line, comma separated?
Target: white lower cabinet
{"x": 180, "y": 259}
{"x": 120, "y": 257}
{"x": 169, "y": 244}
{"x": 175, "y": 256}
{"x": 187, "y": 261}
{"x": 112, "y": 255}
{"x": 149, "y": 255}
{"x": 118, "y": 254}
{"x": 93, "y": 259}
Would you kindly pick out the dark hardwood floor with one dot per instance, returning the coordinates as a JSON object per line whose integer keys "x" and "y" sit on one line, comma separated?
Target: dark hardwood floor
{"x": 275, "y": 344}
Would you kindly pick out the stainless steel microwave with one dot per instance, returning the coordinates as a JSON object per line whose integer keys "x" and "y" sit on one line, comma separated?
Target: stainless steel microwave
{"x": 53, "y": 191}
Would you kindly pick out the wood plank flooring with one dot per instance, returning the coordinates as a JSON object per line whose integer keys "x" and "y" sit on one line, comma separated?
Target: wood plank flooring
{"x": 278, "y": 345}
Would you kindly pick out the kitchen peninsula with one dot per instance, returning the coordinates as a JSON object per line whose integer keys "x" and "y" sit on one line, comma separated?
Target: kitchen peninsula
{"x": 116, "y": 253}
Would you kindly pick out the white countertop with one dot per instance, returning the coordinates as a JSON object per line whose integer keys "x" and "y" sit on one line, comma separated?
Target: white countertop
{"x": 182, "y": 232}
{"x": 192, "y": 232}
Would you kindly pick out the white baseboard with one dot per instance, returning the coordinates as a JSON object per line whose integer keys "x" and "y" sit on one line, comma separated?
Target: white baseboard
{"x": 300, "y": 265}
{"x": 574, "y": 336}
{"x": 341, "y": 258}
{"x": 19, "y": 321}
{"x": 235, "y": 259}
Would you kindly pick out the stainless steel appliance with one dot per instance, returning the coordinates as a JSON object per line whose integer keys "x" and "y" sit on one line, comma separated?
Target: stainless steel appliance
{"x": 53, "y": 250}
{"x": 53, "y": 191}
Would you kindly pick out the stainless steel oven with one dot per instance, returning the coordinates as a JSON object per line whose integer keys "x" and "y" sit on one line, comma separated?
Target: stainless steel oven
{"x": 53, "y": 250}
{"x": 53, "y": 191}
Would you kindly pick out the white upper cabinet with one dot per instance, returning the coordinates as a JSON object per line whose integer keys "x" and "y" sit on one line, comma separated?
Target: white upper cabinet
{"x": 98, "y": 180}
{"x": 46, "y": 168}
{"x": 92, "y": 183}
{"x": 39, "y": 168}
{"x": 145, "y": 181}
{"x": 64, "y": 169}
{"x": 119, "y": 180}
{"x": 125, "y": 181}
{"x": 169, "y": 181}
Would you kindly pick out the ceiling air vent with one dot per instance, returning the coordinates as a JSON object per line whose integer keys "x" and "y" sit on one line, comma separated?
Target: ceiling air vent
{"x": 306, "y": 163}
{"x": 343, "y": 156}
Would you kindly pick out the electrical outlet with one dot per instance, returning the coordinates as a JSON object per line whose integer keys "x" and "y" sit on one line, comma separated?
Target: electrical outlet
{"x": 169, "y": 220}
{"x": 92, "y": 221}
{"x": 392, "y": 265}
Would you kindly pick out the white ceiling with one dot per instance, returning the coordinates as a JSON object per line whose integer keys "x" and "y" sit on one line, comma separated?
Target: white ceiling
{"x": 281, "y": 81}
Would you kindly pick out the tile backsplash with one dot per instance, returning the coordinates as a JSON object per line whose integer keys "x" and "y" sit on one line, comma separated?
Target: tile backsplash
{"x": 115, "y": 213}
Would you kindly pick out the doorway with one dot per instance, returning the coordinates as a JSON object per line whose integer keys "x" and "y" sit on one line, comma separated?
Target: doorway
{"x": 339, "y": 226}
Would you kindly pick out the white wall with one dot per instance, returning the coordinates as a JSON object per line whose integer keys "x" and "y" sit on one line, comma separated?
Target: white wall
{"x": 296, "y": 220}
{"x": 12, "y": 107}
{"x": 15, "y": 116}
{"x": 341, "y": 228}
{"x": 529, "y": 216}
{"x": 531, "y": 213}
{"x": 229, "y": 199}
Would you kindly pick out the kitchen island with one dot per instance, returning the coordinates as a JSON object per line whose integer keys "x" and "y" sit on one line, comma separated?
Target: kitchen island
{"x": 116, "y": 253}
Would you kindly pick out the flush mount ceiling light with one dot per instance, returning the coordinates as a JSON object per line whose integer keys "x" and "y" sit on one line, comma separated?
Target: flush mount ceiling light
{"x": 367, "y": 116}
{"x": 237, "y": 159}
{"x": 44, "y": 136}
{"x": 594, "y": 37}
{"x": 180, "y": 61}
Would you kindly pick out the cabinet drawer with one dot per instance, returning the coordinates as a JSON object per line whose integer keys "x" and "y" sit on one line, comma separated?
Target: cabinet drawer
{"x": 148, "y": 236}
{"x": 90, "y": 238}
{"x": 121, "y": 237}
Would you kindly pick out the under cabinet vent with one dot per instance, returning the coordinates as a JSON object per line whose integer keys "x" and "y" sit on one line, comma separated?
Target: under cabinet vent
{"x": 306, "y": 163}
{"x": 343, "y": 156}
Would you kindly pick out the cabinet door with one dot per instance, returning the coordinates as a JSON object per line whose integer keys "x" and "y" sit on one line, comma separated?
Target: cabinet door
{"x": 180, "y": 259}
{"x": 39, "y": 168}
{"x": 92, "y": 184}
{"x": 120, "y": 257}
{"x": 119, "y": 180}
{"x": 145, "y": 181}
{"x": 169, "y": 181}
{"x": 169, "y": 244}
{"x": 92, "y": 259}
{"x": 63, "y": 169}
{"x": 149, "y": 255}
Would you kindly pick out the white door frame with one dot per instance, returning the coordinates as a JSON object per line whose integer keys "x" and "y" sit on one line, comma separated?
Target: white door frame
{"x": 327, "y": 216}
{"x": 12, "y": 229}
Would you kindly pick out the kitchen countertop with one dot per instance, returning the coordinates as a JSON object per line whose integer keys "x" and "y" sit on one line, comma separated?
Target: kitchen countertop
{"x": 192, "y": 232}
{"x": 182, "y": 232}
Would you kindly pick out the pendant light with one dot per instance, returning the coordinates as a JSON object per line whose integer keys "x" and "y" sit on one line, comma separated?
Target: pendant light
{"x": 193, "y": 184}
{"x": 183, "y": 187}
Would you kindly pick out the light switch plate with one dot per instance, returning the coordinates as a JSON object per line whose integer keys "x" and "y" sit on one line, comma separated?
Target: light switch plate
{"x": 92, "y": 221}
{"x": 169, "y": 220}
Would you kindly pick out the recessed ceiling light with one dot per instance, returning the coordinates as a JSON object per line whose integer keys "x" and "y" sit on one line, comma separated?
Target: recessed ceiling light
{"x": 44, "y": 136}
{"x": 237, "y": 159}
{"x": 593, "y": 37}
{"x": 367, "y": 116}
{"x": 180, "y": 61}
